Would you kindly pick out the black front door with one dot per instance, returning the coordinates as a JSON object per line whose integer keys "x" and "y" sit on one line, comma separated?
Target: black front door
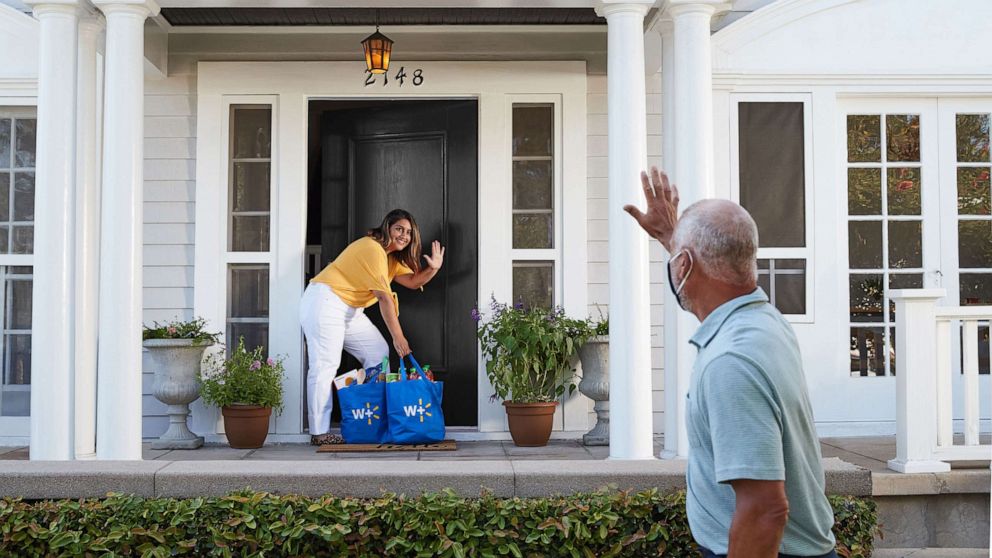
{"x": 420, "y": 156}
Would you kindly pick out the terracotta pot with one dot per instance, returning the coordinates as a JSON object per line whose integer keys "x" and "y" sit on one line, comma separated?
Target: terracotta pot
{"x": 530, "y": 423}
{"x": 246, "y": 426}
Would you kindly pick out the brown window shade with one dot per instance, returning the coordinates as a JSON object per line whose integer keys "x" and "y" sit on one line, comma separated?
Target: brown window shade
{"x": 772, "y": 171}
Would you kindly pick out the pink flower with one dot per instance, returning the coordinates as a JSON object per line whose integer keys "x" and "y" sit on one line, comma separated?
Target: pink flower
{"x": 905, "y": 185}
{"x": 172, "y": 330}
{"x": 255, "y": 365}
{"x": 270, "y": 361}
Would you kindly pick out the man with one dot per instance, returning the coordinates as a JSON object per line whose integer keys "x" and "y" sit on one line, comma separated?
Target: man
{"x": 755, "y": 481}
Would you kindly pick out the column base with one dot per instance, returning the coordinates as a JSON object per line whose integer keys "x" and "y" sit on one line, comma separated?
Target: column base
{"x": 919, "y": 466}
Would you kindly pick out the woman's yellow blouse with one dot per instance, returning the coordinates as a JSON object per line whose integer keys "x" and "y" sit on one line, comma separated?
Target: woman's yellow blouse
{"x": 361, "y": 268}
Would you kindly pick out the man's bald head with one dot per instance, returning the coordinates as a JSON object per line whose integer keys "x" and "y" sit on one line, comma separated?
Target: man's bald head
{"x": 723, "y": 239}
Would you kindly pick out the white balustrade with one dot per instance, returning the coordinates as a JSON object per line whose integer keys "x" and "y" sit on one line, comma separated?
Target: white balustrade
{"x": 925, "y": 381}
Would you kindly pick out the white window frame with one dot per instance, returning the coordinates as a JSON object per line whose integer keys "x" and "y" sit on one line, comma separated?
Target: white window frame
{"x": 540, "y": 255}
{"x": 15, "y": 429}
{"x": 806, "y": 252}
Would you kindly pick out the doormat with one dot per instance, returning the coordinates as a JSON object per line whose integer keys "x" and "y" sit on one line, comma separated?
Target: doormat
{"x": 446, "y": 445}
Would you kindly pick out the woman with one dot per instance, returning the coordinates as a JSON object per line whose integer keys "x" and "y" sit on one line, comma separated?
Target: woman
{"x": 332, "y": 312}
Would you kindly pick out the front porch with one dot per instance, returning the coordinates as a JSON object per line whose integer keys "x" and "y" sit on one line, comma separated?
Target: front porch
{"x": 922, "y": 510}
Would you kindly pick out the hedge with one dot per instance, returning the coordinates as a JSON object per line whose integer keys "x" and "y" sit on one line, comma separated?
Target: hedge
{"x": 262, "y": 524}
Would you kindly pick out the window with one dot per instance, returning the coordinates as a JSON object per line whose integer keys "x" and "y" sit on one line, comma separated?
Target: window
{"x": 885, "y": 231}
{"x": 17, "y": 189}
{"x": 535, "y": 189}
{"x": 249, "y": 216}
{"x": 772, "y": 186}
{"x": 974, "y": 218}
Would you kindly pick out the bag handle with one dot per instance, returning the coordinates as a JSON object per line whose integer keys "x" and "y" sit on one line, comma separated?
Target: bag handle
{"x": 416, "y": 366}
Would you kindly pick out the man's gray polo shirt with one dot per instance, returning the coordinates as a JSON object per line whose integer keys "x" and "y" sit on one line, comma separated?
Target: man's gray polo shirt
{"x": 749, "y": 417}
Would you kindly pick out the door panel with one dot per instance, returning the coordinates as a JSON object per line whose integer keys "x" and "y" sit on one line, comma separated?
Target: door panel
{"x": 420, "y": 156}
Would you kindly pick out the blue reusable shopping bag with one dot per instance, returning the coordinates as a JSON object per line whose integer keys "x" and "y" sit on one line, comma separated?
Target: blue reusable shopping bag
{"x": 414, "y": 408}
{"x": 363, "y": 413}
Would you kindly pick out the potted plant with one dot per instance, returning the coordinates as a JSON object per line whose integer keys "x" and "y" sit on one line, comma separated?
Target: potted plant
{"x": 528, "y": 355}
{"x": 595, "y": 358}
{"x": 174, "y": 354}
{"x": 246, "y": 386}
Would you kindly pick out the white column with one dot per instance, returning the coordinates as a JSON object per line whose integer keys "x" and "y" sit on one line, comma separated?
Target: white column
{"x": 87, "y": 235}
{"x": 692, "y": 143}
{"x": 119, "y": 353}
{"x": 630, "y": 323}
{"x": 52, "y": 311}
{"x": 916, "y": 381}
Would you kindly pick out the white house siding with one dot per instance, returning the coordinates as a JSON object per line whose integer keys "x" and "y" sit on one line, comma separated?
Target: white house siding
{"x": 170, "y": 167}
{"x": 170, "y": 145}
{"x": 597, "y": 231}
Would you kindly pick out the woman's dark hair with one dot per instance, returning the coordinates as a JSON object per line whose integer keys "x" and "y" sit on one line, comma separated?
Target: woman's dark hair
{"x": 409, "y": 256}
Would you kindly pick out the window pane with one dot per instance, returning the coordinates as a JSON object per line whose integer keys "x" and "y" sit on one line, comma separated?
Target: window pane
{"x": 864, "y": 138}
{"x": 533, "y": 231}
{"x": 255, "y": 334}
{"x": 18, "y": 349}
{"x": 533, "y": 284}
{"x": 904, "y": 191}
{"x": 25, "y": 151}
{"x": 251, "y": 186}
{"x": 250, "y": 233}
{"x": 790, "y": 293}
{"x": 24, "y": 196}
{"x": 974, "y": 192}
{"x": 864, "y": 191}
{"x": 23, "y": 241}
{"x": 867, "y": 351}
{"x": 4, "y": 240}
{"x": 4, "y": 197}
{"x": 764, "y": 281}
{"x": 976, "y": 289}
{"x": 532, "y": 185}
{"x": 772, "y": 171}
{"x": 249, "y": 291}
{"x": 974, "y": 244}
{"x": 252, "y": 132}
{"x": 865, "y": 244}
{"x": 973, "y": 138}
{"x": 903, "y": 137}
{"x": 866, "y": 291}
{"x": 19, "y": 314}
{"x": 905, "y": 244}
{"x": 5, "y": 124}
{"x": 532, "y": 130}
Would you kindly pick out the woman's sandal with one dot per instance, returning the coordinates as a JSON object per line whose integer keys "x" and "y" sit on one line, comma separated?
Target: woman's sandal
{"x": 328, "y": 438}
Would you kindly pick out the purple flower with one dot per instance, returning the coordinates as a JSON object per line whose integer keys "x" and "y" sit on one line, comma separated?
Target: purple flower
{"x": 255, "y": 365}
{"x": 519, "y": 306}
{"x": 476, "y": 316}
{"x": 270, "y": 361}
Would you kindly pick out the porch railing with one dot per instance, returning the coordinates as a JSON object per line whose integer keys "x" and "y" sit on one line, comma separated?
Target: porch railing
{"x": 925, "y": 371}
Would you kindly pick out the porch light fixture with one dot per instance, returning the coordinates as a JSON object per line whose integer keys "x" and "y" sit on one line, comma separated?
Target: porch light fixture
{"x": 377, "y": 49}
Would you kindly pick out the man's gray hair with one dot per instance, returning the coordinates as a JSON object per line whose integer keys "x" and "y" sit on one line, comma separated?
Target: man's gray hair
{"x": 723, "y": 239}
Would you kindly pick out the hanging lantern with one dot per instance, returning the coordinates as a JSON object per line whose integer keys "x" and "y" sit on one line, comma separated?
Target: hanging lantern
{"x": 377, "y": 49}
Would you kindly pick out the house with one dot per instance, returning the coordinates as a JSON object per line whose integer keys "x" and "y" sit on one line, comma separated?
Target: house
{"x": 202, "y": 158}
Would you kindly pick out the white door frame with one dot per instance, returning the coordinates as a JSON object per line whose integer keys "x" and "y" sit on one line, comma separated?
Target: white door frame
{"x": 289, "y": 86}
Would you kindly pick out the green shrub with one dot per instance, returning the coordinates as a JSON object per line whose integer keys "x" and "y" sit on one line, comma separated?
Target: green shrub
{"x": 244, "y": 377}
{"x": 179, "y": 329}
{"x": 260, "y": 524}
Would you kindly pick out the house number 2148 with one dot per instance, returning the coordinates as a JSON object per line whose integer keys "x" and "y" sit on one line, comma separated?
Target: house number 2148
{"x": 417, "y": 78}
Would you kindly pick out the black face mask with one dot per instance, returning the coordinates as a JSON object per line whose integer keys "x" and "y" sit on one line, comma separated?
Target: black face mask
{"x": 671, "y": 284}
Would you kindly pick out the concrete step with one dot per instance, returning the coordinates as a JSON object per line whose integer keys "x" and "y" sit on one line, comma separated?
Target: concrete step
{"x": 931, "y": 553}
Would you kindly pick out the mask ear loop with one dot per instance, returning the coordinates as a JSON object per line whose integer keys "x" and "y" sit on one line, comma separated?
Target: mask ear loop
{"x": 678, "y": 290}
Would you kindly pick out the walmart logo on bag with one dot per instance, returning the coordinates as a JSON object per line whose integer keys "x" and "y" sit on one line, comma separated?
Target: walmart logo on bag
{"x": 369, "y": 413}
{"x": 417, "y": 410}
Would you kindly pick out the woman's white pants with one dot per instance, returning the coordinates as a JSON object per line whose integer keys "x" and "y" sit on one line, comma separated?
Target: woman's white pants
{"x": 330, "y": 325}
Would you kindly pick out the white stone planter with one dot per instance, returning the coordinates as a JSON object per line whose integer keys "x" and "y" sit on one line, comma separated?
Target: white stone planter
{"x": 595, "y": 384}
{"x": 176, "y": 364}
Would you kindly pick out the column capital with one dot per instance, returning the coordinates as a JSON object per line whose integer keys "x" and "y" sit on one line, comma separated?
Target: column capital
{"x": 678, "y": 8}
{"x": 606, "y": 8}
{"x": 41, "y": 8}
{"x": 145, "y": 8}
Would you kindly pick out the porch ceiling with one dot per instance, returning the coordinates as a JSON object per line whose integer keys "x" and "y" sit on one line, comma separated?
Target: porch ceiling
{"x": 179, "y": 17}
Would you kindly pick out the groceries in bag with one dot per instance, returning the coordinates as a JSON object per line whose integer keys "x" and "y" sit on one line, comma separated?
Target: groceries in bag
{"x": 356, "y": 376}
